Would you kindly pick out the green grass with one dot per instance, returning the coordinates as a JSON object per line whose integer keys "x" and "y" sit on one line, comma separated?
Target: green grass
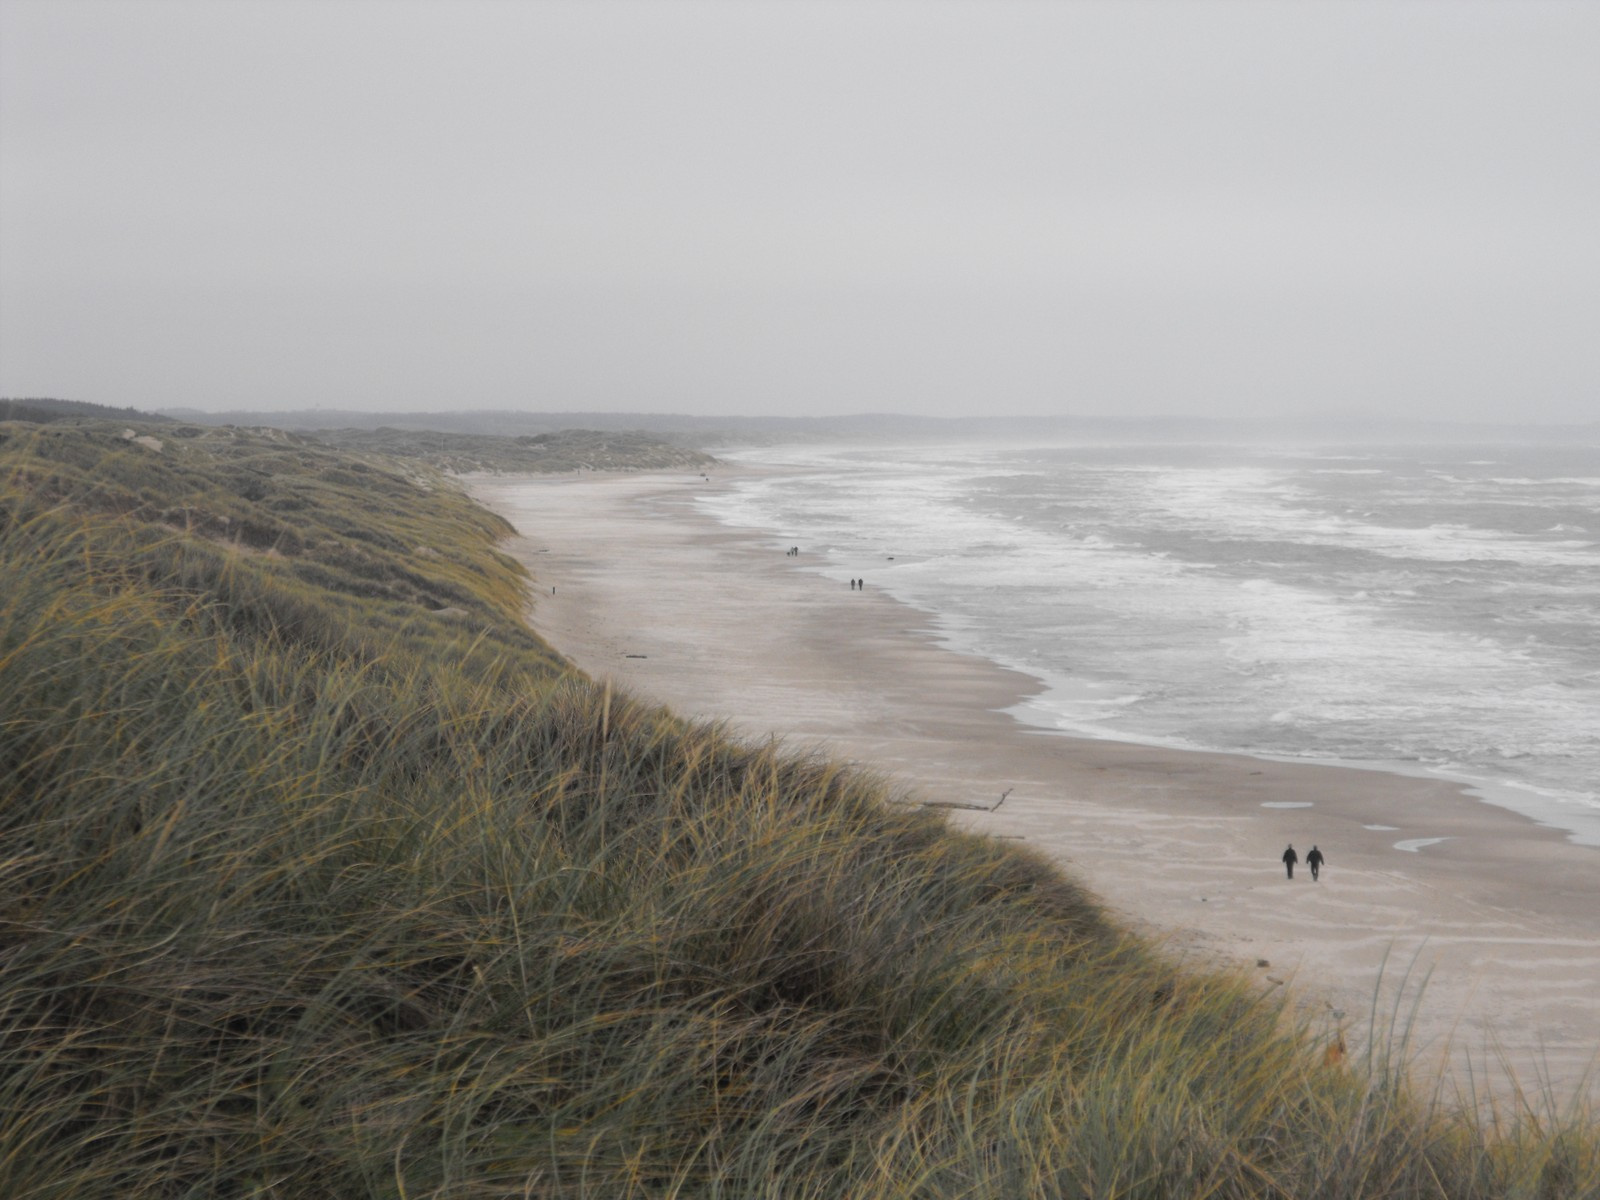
{"x": 320, "y": 875}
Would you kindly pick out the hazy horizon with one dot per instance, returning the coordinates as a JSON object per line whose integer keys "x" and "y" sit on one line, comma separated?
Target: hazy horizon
{"x": 812, "y": 208}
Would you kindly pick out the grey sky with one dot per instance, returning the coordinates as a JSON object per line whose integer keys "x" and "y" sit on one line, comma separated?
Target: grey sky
{"x": 947, "y": 208}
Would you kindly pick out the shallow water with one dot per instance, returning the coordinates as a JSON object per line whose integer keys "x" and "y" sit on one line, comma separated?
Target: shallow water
{"x": 1428, "y": 608}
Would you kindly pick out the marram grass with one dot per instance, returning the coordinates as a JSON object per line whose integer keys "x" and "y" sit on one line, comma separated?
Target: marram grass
{"x": 321, "y": 877}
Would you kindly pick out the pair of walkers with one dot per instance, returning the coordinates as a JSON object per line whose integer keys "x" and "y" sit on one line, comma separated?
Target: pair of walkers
{"x": 1313, "y": 860}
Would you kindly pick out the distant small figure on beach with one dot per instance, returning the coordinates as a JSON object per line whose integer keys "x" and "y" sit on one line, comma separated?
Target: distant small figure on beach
{"x": 852, "y": 585}
{"x": 1289, "y": 859}
{"x": 1314, "y": 861}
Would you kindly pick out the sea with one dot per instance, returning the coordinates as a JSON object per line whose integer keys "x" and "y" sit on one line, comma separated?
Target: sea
{"x": 1426, "y": 609}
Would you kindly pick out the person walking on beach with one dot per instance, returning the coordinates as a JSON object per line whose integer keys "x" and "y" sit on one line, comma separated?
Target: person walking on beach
{"x": 1314, "y": 861}
{"x": 1289, "y": 859}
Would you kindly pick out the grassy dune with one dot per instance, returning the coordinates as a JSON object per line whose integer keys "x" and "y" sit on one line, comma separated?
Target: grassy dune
{"x": 527, "y": 454}
{"x": 320, "y": 875}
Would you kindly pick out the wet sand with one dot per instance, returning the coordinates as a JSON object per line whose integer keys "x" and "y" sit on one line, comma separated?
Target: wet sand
{"x": 1501, "y": 917}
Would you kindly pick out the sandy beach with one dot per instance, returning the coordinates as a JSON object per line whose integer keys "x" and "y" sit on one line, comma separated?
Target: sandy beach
{"x": 1500, "y": 916}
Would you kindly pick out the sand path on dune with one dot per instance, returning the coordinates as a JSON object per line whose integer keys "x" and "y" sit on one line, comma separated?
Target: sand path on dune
{"x": 1502, "y": 916}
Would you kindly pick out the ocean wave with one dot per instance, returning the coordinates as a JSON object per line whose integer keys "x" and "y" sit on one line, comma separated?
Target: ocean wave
{"x": 1266, "y": 605}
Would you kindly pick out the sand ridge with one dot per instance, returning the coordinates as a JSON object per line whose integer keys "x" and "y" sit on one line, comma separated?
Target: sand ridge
{"x": 1500, "y": 915}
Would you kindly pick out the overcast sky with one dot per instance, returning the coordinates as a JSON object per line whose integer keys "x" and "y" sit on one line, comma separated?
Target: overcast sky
{"x": 1128, "y": 208}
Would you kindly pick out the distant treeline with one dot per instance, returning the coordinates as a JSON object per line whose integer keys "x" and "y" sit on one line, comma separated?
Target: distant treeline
{"x": 42, "y": 409}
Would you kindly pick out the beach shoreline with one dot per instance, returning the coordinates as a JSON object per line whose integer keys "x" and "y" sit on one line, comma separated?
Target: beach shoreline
{"x": 1501, "y": 915}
